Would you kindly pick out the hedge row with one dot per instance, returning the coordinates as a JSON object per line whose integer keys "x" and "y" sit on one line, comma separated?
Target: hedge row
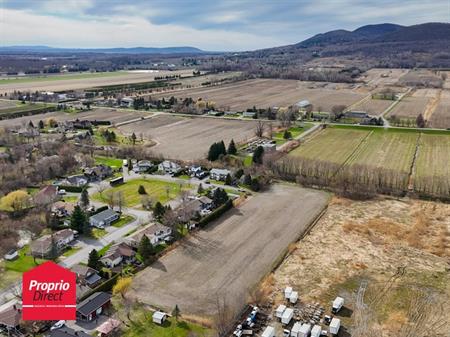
{"x": 73, "y": 189}
{"x": 216, "y": 213}
{"x": 100, "y": 209}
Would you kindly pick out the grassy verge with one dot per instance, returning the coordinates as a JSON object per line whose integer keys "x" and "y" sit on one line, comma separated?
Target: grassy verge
{"x": 124, "y": 219}
{"x": 70, "y": 251}
{"x": 109, "y": 161}
{"x": 98, "y": 233}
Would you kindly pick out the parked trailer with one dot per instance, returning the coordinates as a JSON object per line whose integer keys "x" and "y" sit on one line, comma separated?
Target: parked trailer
{"x": 287, "y": 316}
{"x": 305, "y": 329}
{"x": 296, "y": 329}
{"x": 287, "y": 292}
{"x": 316, "y": 331}
{"x": 338, "y": 303}
{"x": 335, "y": 325}
{"x": 280, "y": 310}
{"x": 294, "y": 297}
{"x": 269, "y": 332}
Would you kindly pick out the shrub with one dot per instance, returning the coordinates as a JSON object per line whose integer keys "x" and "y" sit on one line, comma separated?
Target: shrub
{"x": 216, "y": 213}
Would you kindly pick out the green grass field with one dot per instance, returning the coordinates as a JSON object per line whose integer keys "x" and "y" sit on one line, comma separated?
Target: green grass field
{"x": 158, "y": 190}
{"x": 109, "y": 161}
{"x": 50, "y": 78}
{"x": 295, "y": 132}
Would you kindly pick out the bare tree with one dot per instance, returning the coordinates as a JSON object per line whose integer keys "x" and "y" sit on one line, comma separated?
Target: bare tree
{"x": 259, "y": 129}
{"x": 223, "y": 319}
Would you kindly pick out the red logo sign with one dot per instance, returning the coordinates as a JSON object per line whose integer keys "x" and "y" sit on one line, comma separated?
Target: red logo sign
{"x": 49, "y": 293}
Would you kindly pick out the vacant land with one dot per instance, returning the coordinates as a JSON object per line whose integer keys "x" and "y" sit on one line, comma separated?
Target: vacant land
{"x": 100, "y": 114}
{"x": 81, "y": 81}
{"x": 373, "y": 241}
{"x": 227, "y": 259}
{"x": 189, "y": 138}
{"x": 441, "y": 116}
{"x": 373, "y": 107}
{"x": 157, "y": 190}
{"x": 265, "y": 93}
{"x": 421, "y": 77}
{"x": 382, "y": 77}
{"x": 410, "y": 107}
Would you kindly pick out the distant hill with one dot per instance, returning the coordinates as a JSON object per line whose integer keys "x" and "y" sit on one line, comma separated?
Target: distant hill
{"x": 423, "y": 32}
{"x": 134, "y": 50}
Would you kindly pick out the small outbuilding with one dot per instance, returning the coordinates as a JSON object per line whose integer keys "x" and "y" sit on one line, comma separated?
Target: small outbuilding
{"x": 296, "y": 329}
{"x": 159, "y": 317}
{"x": 316, "y": 331}
{"x": 269, "y": 332}
{"x": 287, "y": 292}
{"x": 11, "y": 255}
{"x": 294, "y": 297}
{"x": 287, "y": 316}
{"x": 280, "y": 310}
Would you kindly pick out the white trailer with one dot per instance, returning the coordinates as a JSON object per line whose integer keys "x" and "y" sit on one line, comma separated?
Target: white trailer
{"x": 335, "y": 325}
{"x": 295, "y": 329}
{"x": 316, "y": 331}
{"x": 287, "y": 292}
{"x": 338, "y": 303}
{"x": 287, "y": 316}
{"x": 294, "y": 297}
{"x": 280, "y": 310}
{"x": 269, "y": 332}
{"x": 305, "y": 329}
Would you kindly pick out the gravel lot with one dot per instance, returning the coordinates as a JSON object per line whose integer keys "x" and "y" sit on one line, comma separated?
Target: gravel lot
{"x": 232, "y": 255}
{"x": 189, "y": 138}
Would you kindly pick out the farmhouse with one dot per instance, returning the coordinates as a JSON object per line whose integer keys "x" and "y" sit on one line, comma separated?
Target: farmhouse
{"x": 76, "y": 180}
{"x": 118, "y": 254}
{"x": 219, "y": 174}
{"x": 269, "y": 147}
{"x": 356, "y": 114}
{"x": 249, "y": 114}
{"x": 93, "y": 306}
{"x": 46, "y": 195}
{"x": 169, "y": 167}
{"x": 197, "y": 171}
{"x": 42, "y": 247}
{"x": 11, "y": 255}
{"x": 103, "y": 219}
{"x": 156, "y": 233}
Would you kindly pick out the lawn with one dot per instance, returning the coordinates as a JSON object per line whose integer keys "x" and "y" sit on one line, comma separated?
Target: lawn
{"x": 71, "y": 198}
{"x": 143, "y": 326}
{"x": 109, "y": 161}
{"x": 248, "y": 161}
{"x": 294, "y": 130}
{"x": 124, "y": 219}
{"x": 70, "y": 251}
{"x": 98, "y": 233}
{"x": 157, "y": 190}
{"x": 102, "y": 251}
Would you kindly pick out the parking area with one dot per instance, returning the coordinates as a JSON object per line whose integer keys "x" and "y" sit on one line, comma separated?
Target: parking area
{"x": 228, "y": 258}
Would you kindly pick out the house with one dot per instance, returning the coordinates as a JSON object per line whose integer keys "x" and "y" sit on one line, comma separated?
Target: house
{"x": 249, "y": 114}
{"x": 86, "y": 275}
{"x": 42, "y": 247}
{"x": 303, "y": 105}
{"x": 63, "y": 209}
{"x": 98, "y": 172}
{"x": 206, "y": 202}
{"x": 214, "y": 113}
{"x": 93, "y": 306}
{"x": 219, "y": 174}
{"x": 169, "y": 167}
{"x": 118, "y": 254}
{"x": 127, "y": 102}
{"x": 10, "y": 318}
{"x": 103, "y": 219}
{"x": 156, "y": 233}
{"x": 107, "y": 328}
{"x": 197, "y": 171}
{"x": 68, "y": 332}
{"x": 159, "y": 317}
{"x": 356, "y": 114}
{"x": 46, "y": 195}
{"x": 76, "y": 180}
{"x": 142, "y": 166}
{"x": 11, "y": 255}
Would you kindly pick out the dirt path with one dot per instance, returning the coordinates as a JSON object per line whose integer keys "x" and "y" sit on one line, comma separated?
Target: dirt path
{"x": 432, "y": 105}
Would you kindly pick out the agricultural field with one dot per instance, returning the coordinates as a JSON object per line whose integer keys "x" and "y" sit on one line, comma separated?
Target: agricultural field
{"x": 246, "y": 242}
{"x": 432, "y": 172}
{"x": 383, "y": 77}
{"x": 332, "y": 144}
{"x": 441, "y": 115}
{"x": 410, "y": 107}
{"x": 157, "y": 190}
{"x": 18, "y": 110}
{"x": 189, "y": 138}
{"x": 81, "y": 81}
{"x": 373, "y": 107}
{"x": 264, "y": 93}
{"x": 372, "y": 241}
{"x": 421, "y": 77}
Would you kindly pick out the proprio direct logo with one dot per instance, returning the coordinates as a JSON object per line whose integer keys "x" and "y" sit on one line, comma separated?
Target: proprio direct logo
{"x": 49, "y": 293}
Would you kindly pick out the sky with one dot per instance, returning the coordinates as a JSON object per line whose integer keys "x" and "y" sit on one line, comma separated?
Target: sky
{"x": 214, "y": 25}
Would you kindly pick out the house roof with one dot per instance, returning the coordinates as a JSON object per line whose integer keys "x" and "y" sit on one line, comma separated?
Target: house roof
{"x": 47, "y": 192}
{"x": 43, "y": 243}
{"x": 220, "y": 171}
{"x": 81, "y": 270}
{"x": 102, "y": 216}
{"x": 68, "y": 332}
{"x": 303, "y": 104}
{"x": 93, "y": 278}
{"x": 93, "y": 302}
{"x": 159, "y": 314}
{"x": 120, "y": 249}
{"x": 62, "y": 205}
{"x": 11, "y": 316}
{"x": 108, "y": 326}
{"x": 205, "y": 200}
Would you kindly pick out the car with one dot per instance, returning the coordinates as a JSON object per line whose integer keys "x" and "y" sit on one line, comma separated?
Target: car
{"x": 61, "y": 192}
{"x": 58, "y": 325}
{"x": 286, "y": 333}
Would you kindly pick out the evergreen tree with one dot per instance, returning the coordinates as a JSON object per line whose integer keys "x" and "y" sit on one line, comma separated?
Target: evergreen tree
{"x": 94, "y": 260}
{"x": 255, "y": 186}
{"x": 200, "y": 189}
{"x": 222, "y": 150}
{"x": 228, "y": 180}
{"x": 219, "y": 196}
{"x": 84, "y": 199}
{"x": 53, "y": 248}
{"x": 247, "y": 179}
{"x": 41, "y": 124}
{"x": 30, "y": 124}
{"x": 141, "y": 190}
{"x": 145, "y": 249}
{"x": 78, "y": 219}
{"x": 133, "y": 138}
{"x": 287, "y": 134}
{"x": 232, "y": 148}
{"x": 158, "y": 211}
{"x": 258, "y": 155}
{"x": 420, "y": 121}
{"x": 239, "y": 173}
{"x": 176, "y": 312}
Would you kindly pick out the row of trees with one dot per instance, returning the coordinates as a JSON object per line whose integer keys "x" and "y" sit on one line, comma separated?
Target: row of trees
{"x": 217, "y": 150}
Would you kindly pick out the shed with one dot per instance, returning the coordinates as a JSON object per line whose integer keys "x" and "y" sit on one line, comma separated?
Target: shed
{"x": 335, "y": 324}
{"x": 108, "y": 327}
{"x": 296, "y": 329}
{"x": 269, "y": 332}
{"x": 11, "y": 255}
{"x": 337, "y": 304}
{"x": 287, "y": 292}
{"x": 287, "y": 316}
{"x": 304, "y": 330}
{"x": 294, "y": 297}
{"x": 159, "y": 317}
{"x": 280, "y": 310}
{"x": 316, "y": 331}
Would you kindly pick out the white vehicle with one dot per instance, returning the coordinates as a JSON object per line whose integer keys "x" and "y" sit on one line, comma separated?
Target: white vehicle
{"x": 316, "y": 331}
{"x": 58, "y": 325}
{"x": 294, "y": 297}
{"x": 287, "y": 316}
{"x": 61, "y": 192}
{"x": 305, "y": 329}
{"x": 338, "y": 303}
{"x": 286, "y": 333}
{"x": 296, "y": 329}
{"x": 287, "y": 292}
{"x": 237, "y": 333}
{"x": 125, "y": 163}
{"x": 269, "y": 332}
{"x": 280, "y": 310}
{"x": 334, "y": 326}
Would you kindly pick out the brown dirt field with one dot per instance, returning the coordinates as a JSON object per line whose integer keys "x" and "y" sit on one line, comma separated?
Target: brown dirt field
{"x": 101, "y": 114}
{"x": 4, "y": 104}
{"x": 418, "y": 77}
{"x": 264, "y": 93}
{"x": 373, "y": 107}
{"x": 189, "y": 138}
{"x": 370, "y": 240}
{"x": 72, "y": 84}
{"x": 373, "y": 76}
{"x": 231, "y": 255}
{"x": 410, "y": 107}
{"x": 441, "y": 116}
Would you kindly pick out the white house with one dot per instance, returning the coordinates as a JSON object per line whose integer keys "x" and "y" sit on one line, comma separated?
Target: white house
{"x": 156, "y": 233}
{"x": 142, "y": 166}
{"x": 127, "y": 102}
{"x": 159, "y": 317}
{"x": 169, "y": 167}
{"x": 219, "y": 174}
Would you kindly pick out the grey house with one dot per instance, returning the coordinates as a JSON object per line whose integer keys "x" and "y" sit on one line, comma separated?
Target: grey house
{"x": 103, "y": 219}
